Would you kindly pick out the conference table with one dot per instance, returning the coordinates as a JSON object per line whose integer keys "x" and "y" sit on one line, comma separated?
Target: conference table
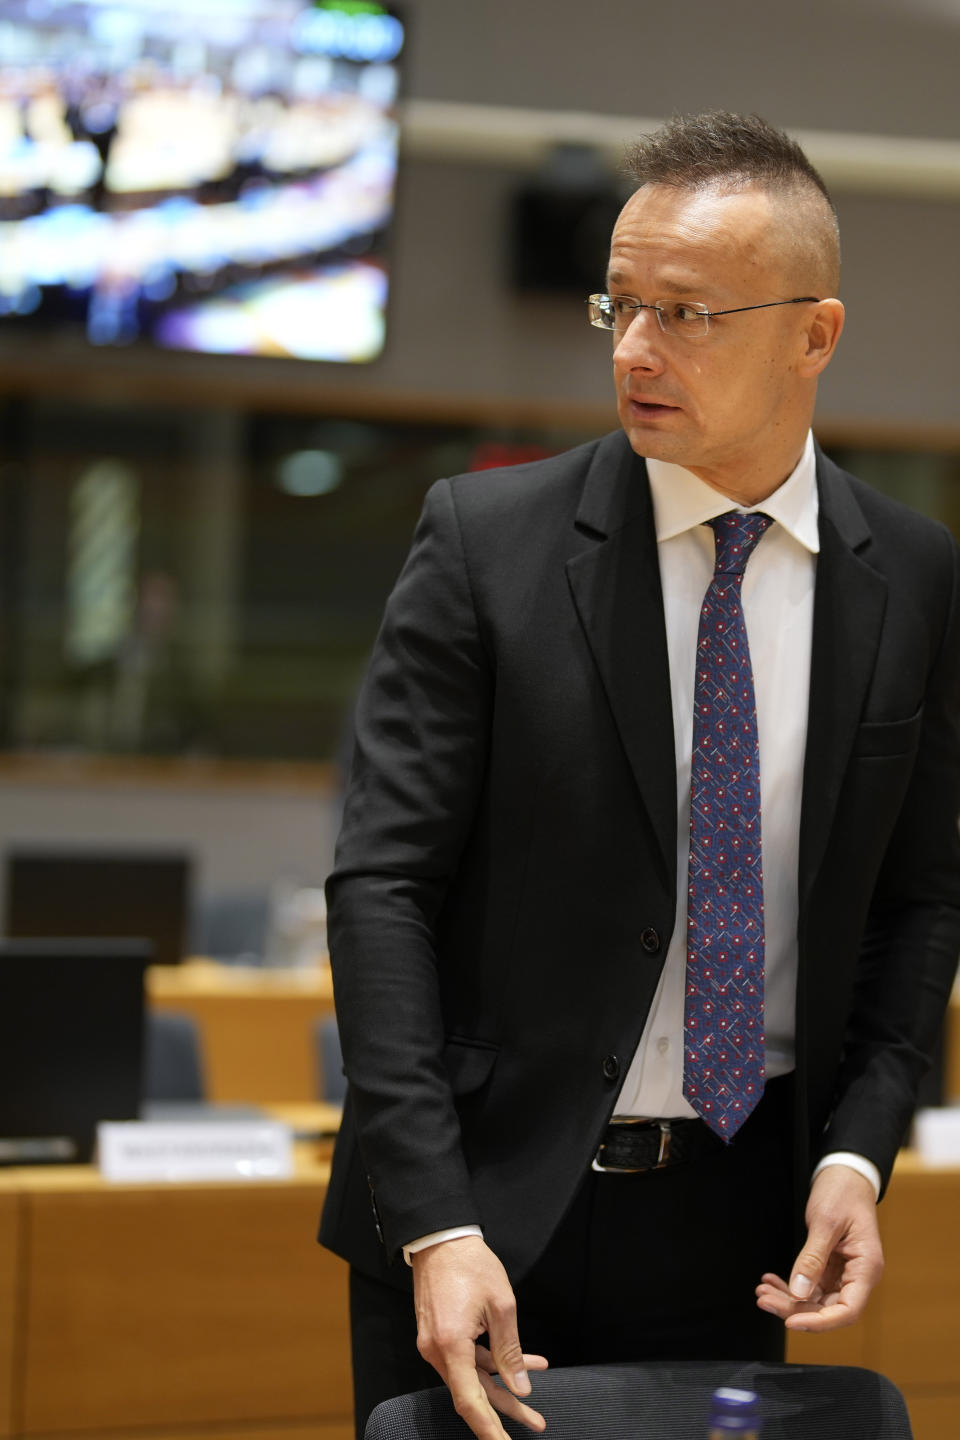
{"x": 206, "y": 1311}
{"x": 180, "y": 1310}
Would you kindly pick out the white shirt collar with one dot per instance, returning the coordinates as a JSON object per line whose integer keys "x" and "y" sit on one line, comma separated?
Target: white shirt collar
{"x": 681, "y": 500}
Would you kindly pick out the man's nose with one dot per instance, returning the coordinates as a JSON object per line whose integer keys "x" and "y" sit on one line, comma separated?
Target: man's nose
{"x": 641, "y": 344}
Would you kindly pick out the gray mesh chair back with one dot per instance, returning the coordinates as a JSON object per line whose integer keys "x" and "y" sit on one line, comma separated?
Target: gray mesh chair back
{"x": 172, "y": 1062}
{"x": 331, "y": 1081}
{"x": 672, "y": 1402}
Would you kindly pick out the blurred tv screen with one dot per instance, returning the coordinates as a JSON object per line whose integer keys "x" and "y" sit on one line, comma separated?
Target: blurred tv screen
{"x": 204, "y": 175}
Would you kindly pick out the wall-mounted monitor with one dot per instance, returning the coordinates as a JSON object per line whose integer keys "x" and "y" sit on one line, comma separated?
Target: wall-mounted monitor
{"x": 202, "y": 175}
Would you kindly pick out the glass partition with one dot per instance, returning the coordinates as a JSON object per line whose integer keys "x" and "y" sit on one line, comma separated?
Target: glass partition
{"x": 210, "y": 582}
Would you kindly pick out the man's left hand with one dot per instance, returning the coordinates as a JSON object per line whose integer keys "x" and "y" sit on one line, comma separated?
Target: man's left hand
{"x": 841, "y": 1261}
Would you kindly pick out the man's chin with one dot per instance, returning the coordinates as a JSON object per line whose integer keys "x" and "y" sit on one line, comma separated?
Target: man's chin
{"x": 654, "y": 444}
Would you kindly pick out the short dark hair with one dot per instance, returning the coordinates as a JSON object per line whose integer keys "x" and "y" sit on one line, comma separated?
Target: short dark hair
{"x": 733, "y": 152}
{"x": 718, "y": 147}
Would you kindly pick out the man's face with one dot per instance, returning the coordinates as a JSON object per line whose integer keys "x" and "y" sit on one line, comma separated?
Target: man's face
{"x": 719, "y": 403}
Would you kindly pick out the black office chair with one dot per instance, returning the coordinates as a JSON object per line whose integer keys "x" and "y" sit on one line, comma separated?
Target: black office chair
{"x": 172, "y": 1060}
{"x": 672, "y": 1400}
{"x": 232, "y": 928}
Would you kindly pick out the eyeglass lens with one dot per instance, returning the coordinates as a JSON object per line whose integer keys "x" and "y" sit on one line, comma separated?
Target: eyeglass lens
{"x": 616, "y": 313}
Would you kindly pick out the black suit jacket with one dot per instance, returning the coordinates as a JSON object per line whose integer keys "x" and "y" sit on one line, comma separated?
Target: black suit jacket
{"x": 504, "y": 888}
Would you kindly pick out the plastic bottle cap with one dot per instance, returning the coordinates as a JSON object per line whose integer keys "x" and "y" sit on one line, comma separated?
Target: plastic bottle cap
{"x": 734, "y": 1409}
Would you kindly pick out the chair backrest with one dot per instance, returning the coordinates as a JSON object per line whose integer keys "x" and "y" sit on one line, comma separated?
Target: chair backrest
{"x": 172, "y": 1062}
{"x": 662, "y": 1402}
{"x": 331, "y": 1081}
{"x": 232, "y": 927}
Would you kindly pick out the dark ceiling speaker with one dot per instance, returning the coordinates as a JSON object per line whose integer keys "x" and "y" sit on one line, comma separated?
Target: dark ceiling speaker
{"x": 560, "y": 223}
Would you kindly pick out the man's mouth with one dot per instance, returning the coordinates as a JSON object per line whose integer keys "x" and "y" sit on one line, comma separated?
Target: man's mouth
{"x": 650, "y": 409}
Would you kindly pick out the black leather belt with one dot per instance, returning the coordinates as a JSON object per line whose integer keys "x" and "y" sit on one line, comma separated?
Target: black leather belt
{"x": 629, "y": 1147}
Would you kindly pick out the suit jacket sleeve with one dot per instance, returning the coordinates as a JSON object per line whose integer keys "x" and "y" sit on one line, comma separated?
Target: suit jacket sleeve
{"x": 909, "y": 953}
{"x": 421, "y": 743}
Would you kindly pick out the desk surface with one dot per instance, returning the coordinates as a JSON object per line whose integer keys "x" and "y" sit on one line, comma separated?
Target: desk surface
{"x": 311, "y": 1163}
{"x": 210, "y": 979}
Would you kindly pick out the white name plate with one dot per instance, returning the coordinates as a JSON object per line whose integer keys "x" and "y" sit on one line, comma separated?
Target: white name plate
{"x": 233, "y": 1150}
{"x": 936, "y": 1135}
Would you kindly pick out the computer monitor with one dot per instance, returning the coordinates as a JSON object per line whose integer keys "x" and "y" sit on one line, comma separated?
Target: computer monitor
{"x": 71, "y": 1044}
{"x": 73, "y": 892}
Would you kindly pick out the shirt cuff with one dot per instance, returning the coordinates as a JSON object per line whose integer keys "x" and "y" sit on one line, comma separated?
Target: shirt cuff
{"x": 437, "y": 1237}
{"x": 860, "y": 1163}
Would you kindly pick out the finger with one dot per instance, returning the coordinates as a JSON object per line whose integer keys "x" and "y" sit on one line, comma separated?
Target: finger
{"x": 783, "y": 1306}
{"x": 776, "y": 1303}
{"x": 840, "y": 1308}
{"x": 834, "y": 1316}
{"x": 509, "y": 1405}
{"x": 505, "y": 1346}
{"x": 773, "y": 1294}
{"x": 468, "y": 1394}
{"x": 780, "y": 1287}
{"x": 812, "y": 1261}
{"x": 486, "y": 1362}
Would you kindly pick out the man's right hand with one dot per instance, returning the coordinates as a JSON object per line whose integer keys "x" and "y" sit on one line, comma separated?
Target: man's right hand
{"x": 461, "y": 1290}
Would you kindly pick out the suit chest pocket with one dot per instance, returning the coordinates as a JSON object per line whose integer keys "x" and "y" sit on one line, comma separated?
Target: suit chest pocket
{"x": 879, "y": 739}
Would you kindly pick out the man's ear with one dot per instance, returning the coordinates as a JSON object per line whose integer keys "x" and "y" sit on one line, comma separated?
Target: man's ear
{"x": 820, "y": 335}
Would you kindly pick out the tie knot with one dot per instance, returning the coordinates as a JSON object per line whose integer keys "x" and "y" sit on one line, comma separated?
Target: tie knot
{"x": 736, "y": 535}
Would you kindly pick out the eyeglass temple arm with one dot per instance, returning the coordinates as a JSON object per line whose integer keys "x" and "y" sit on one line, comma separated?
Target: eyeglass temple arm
{"x": 768, "y": 305}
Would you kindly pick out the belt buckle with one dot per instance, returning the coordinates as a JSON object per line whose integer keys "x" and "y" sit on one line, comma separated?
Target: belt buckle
{"x": 662, "y": 1160}
{"x": 666, "y": 1141}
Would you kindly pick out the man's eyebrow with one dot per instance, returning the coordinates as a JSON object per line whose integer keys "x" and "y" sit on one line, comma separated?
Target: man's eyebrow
{"x": 680, "y": 285}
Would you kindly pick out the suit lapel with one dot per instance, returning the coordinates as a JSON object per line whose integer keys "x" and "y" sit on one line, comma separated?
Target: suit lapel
{"x": 615, "y": 583}
{"x": 848, "y": 612}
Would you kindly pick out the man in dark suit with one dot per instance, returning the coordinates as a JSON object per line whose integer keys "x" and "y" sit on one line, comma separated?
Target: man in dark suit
{"x": 544, "y": 1114}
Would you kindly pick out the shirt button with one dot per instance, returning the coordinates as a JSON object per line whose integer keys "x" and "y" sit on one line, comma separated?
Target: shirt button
{"x": 611, "y": 1067}
{"x": 663, "y": 1044}
{"x": 650, "y": 940}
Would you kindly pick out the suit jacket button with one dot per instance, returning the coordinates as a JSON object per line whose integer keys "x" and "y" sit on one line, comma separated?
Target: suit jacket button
{"x": 650, "y": 940}
{"x": 611, "y": 1067}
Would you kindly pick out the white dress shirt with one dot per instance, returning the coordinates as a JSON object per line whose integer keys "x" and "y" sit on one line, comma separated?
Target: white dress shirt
{"x": 777, "y": 595}
{"x": 777, "y": 599}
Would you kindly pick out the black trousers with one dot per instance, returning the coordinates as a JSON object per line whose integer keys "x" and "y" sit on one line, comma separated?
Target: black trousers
{"x": 655, "y": 1266}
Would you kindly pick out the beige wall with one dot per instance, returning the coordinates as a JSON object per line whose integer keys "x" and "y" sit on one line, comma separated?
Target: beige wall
{"x": 886, "y": 67}
{"x": 243, "y": 837}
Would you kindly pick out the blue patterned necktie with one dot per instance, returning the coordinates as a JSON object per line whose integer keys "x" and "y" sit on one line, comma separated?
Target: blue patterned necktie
{"x": 723, "y": 1057}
